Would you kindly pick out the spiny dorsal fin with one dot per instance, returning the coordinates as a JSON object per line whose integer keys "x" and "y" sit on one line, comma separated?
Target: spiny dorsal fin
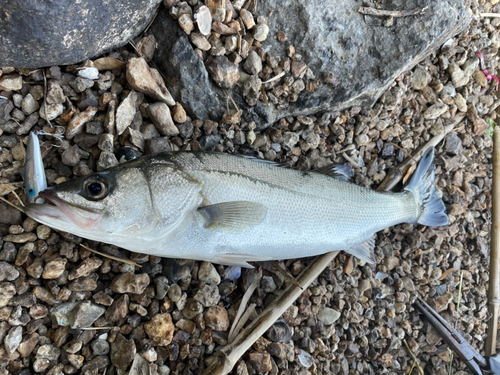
{"x": 340, "y": 171}
{"x": 364, "y": 250}
{"x": 233, "y": 216}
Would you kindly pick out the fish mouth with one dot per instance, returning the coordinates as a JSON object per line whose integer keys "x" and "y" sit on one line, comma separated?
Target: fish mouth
{"x": 56, "y": 209}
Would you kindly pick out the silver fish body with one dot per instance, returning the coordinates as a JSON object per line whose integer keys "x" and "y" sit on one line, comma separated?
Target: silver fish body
{"x": 34, "y": 172}
{"x": 229, "y": 209}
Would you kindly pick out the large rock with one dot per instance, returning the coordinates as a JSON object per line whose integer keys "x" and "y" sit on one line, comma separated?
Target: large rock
{"x": 332, "y": 36}
{"x": 36, "y": 33}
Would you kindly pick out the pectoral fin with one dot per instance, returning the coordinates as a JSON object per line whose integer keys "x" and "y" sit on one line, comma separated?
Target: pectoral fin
{"x": 233, "y": 216}
{"x": 364, "y": 250}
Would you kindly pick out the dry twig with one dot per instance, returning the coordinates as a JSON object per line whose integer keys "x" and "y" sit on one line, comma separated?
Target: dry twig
{"x": 492, "y": 15}
{"x": 128, "y": 261}
{"x": 396, "y": 174}
{"x": 494, "y": 282}
{"x": 45, "y": 97}
{"x": 12, "y": 204}
{"x": 392, "y": 13}
{"x": 241, "y": 309}
{"x": 274, "y": 78}
{"x": 224, "y": 360}
{"x": 414, "y": 358}
{"x": 285, "y": 274}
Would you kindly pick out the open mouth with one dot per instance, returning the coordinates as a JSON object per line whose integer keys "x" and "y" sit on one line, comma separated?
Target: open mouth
{"x": 57, "y": 209}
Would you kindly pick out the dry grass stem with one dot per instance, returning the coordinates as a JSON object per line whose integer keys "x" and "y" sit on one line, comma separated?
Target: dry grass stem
{"x": 392, "y": 13}
{"x": 414, "y": 358}
{"x": 19, "y": 199}
{"x": 12, "y": 204}
{"x": 241, "y": 309}
{"x": 285, "y": 273}
{"x": 406, "y": 152}
{"x": 274, "y": 78}
{"x": 395, "y": 176}
{"x": 128, "y": 261}
{"x": 244, "y": 318}
{"x": 493, "y": 15}
{"x": 493, "y": 285}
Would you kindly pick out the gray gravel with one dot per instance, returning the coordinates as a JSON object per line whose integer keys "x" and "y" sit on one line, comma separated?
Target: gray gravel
{"x": 352, "y": 319}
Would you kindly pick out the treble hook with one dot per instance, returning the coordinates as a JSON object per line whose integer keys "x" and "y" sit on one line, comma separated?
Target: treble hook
{"x": 58, "y": 136}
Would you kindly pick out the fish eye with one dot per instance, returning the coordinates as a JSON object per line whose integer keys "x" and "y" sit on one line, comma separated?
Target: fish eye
{"x": 96, "y": 188}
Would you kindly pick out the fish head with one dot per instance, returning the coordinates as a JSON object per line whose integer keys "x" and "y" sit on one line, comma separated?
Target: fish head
{"x": 103, "y": 206}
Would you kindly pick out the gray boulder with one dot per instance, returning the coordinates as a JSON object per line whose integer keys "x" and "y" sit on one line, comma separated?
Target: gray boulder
{"x": 35, "y": 33}
{"x": 333, "y": 37}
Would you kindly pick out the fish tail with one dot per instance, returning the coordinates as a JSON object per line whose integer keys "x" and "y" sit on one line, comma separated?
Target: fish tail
{"x": 432, "y": 211}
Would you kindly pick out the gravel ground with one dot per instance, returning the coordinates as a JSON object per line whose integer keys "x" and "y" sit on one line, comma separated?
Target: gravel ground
{"x": 65, "y": 309}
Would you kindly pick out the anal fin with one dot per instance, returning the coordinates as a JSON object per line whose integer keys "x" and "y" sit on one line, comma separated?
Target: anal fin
{"x": 238, "y": 260}
{"x": 340, "y": 171}
{"x": 233, "y": 216}
{"x": 364, "y": 250}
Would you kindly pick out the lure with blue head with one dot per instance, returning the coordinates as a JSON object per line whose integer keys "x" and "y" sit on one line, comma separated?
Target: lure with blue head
{"x": 34, "y": 173}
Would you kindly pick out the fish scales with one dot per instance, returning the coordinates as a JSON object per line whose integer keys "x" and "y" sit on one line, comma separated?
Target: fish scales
{"x": 308, "y": 213}
{"x": 229, "y": 209}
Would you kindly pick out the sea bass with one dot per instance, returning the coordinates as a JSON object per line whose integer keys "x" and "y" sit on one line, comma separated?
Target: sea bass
{"x": 230, "y": 209}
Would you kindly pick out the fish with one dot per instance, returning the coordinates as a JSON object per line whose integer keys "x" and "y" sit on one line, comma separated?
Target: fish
{"x": 34, "y": 172}
{"x": 232, "y": 210}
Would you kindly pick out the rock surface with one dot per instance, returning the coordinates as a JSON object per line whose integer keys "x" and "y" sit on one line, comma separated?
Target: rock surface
{"x": 333, "y": 39}
{"x": 34, "y": 34}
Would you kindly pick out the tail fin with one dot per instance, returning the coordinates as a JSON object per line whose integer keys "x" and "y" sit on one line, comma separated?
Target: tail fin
{"x": 432, "y": 209}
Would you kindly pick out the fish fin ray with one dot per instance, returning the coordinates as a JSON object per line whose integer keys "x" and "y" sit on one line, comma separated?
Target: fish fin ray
{"x": 238, "y": 260}
{"x": 340, "y": 171}
{"x": 264, "y": 161}
{"x": 432, "y": 209}
{"x": 364, "y": 250}
{"x": 233, "y": 216}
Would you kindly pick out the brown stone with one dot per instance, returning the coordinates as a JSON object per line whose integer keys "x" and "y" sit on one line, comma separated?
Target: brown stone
{"x": 85, "y": 268}
{"x": 122, "y": 352}
{"x": 84, "y": 284}
{"x": 118, "y": 309}
{"x": 260, "y": 361}
{"x": 160, "y": 329}
{"x": 11, "y": 82}
{"x": 159, "y": 113}
{"x": 298, "y": 68}
{"x": 20, "y": 238}
{"x": 224, "y": 72}
{"x": 78, "y": 122}
{"x": 130, "y": 283}
{"x": 178, "y": 113}
{"x": 28, "y": 344}
{"x": 148, "y": 81}
{"x": 54, "y": 268}
{"x": 186, "y": 325}
{"x": 216, "y": 318}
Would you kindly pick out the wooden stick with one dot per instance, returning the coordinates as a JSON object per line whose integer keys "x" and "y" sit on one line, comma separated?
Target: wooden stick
{"x": 224, "y": 360}
{"x": 494, "y": 282}
{"x": 392, "y": 13}
{"x": 396, "y": 174}
{"x": 241, "y": 310}
{"x": 494, "y": 15}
